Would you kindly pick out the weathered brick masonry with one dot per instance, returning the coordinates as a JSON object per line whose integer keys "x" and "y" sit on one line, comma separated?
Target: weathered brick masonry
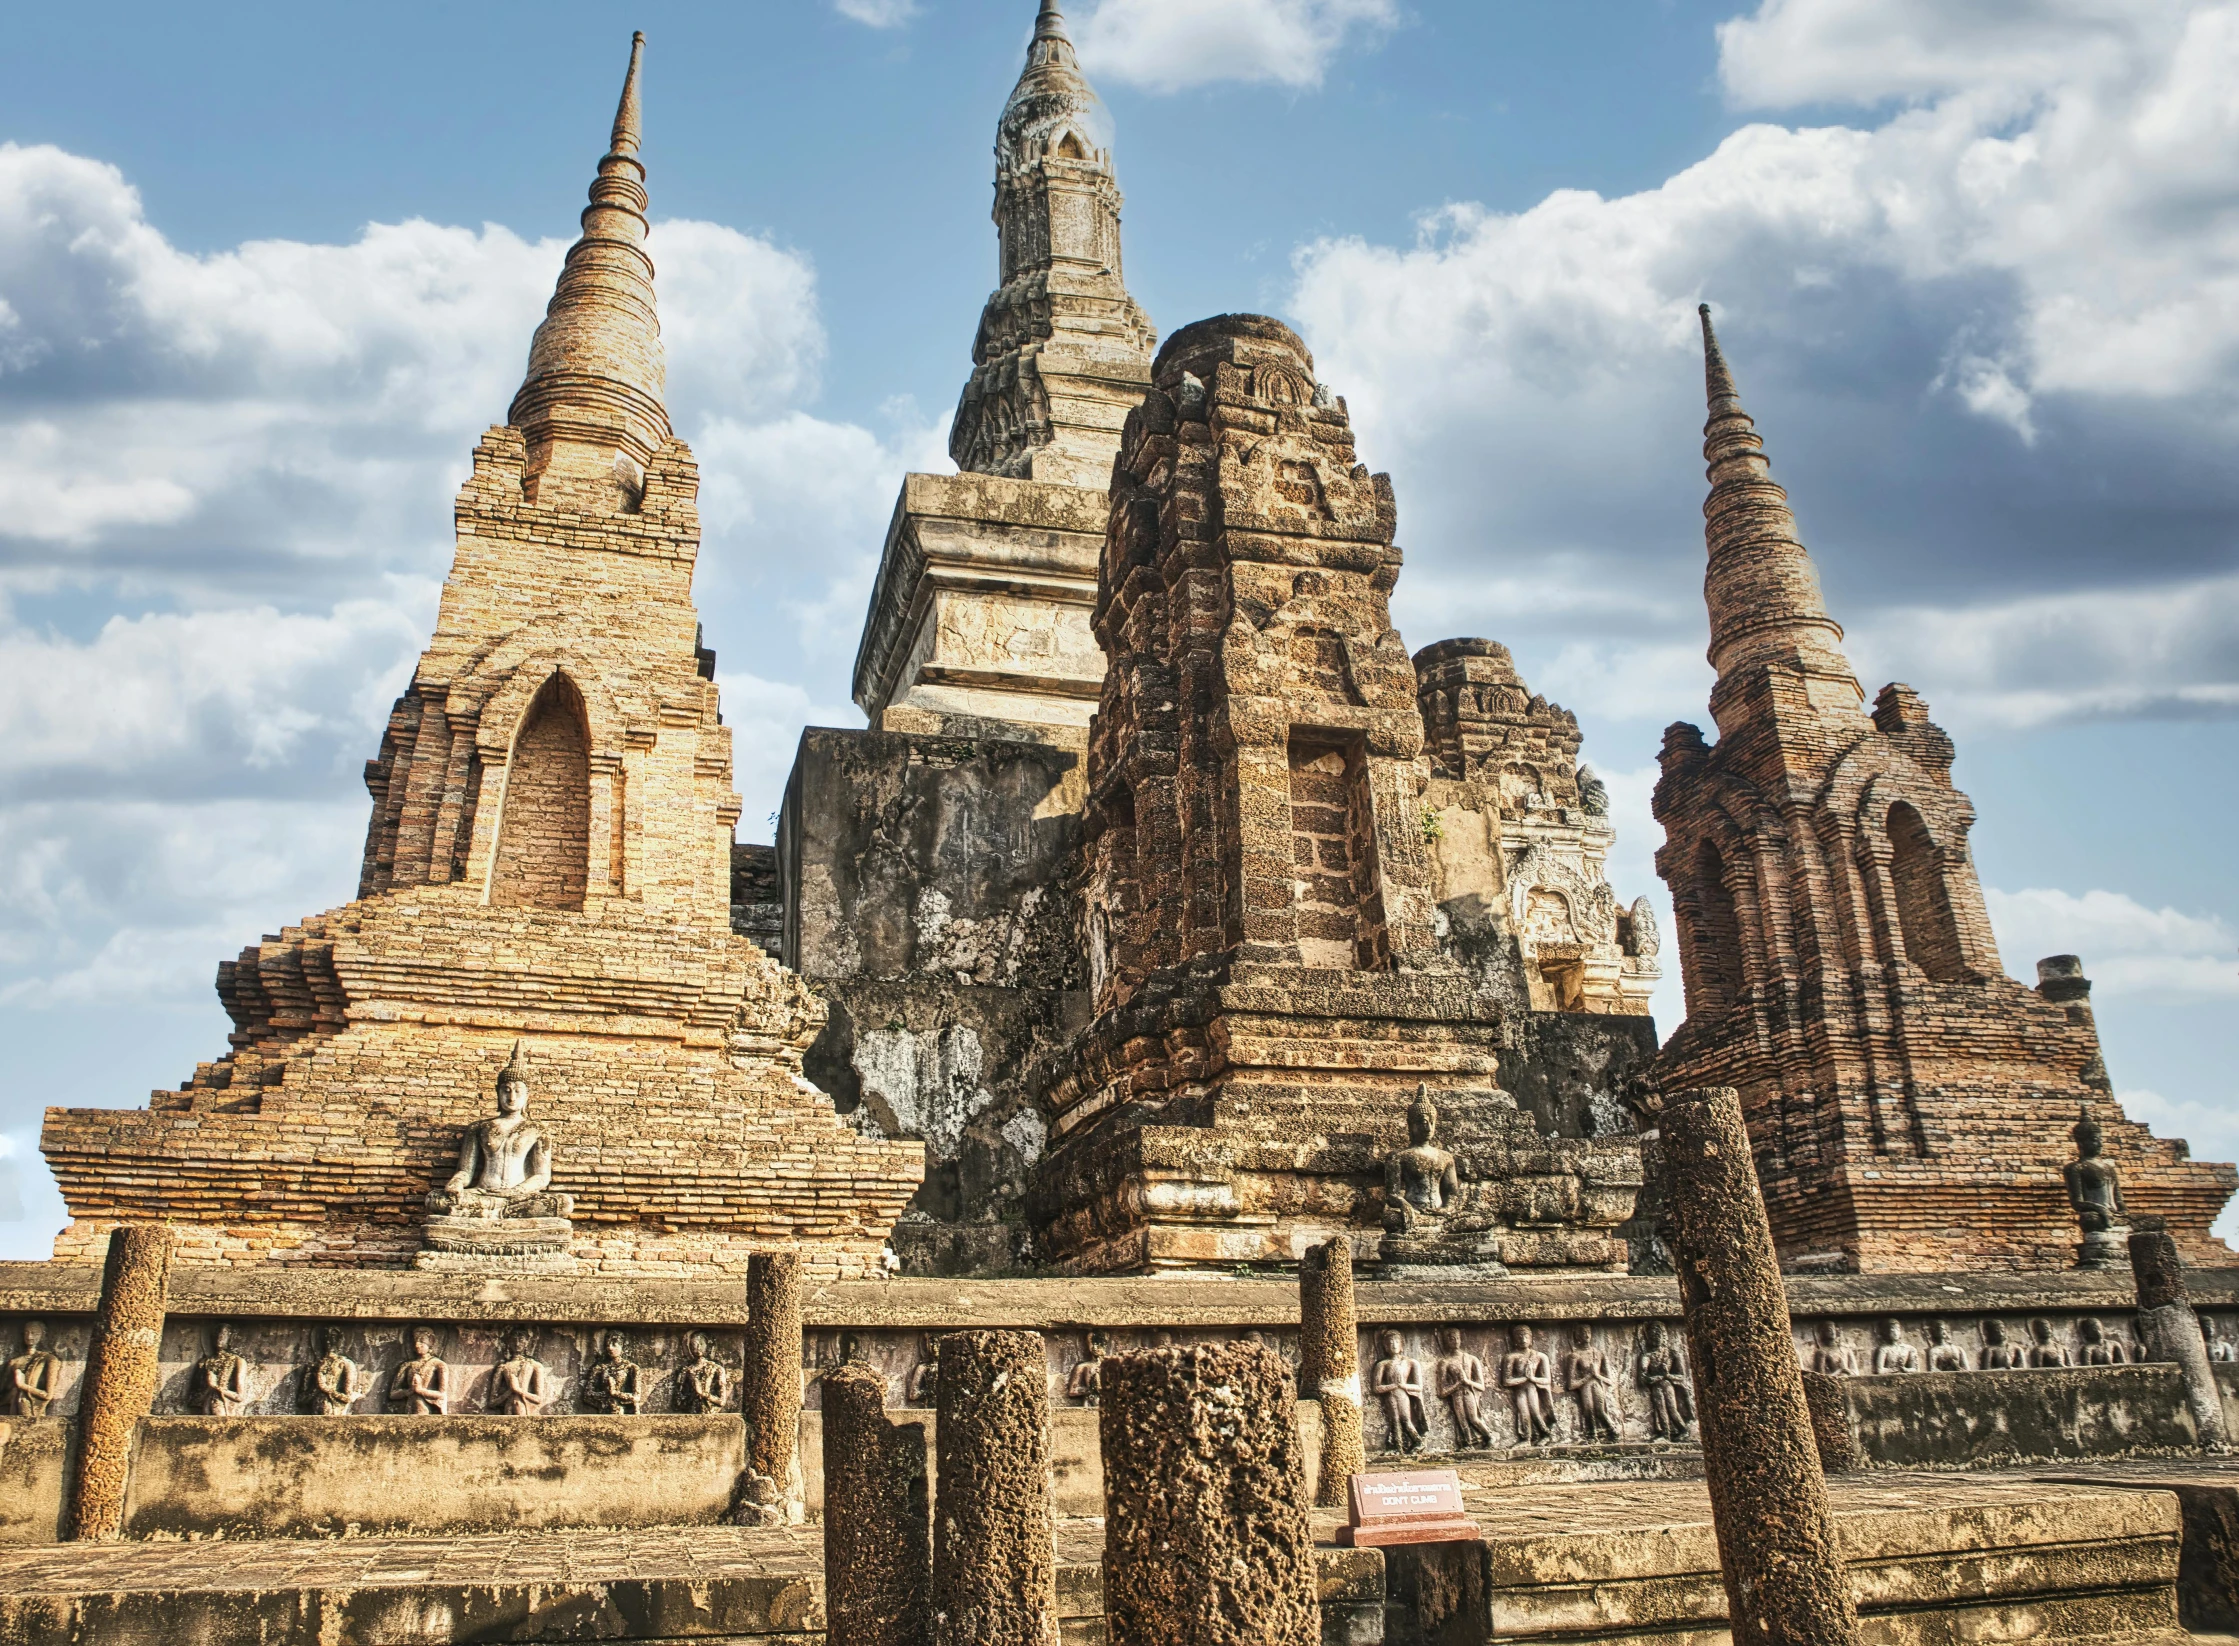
{"x": 550, "y": 858}
{"x": 1909, "y": 1104}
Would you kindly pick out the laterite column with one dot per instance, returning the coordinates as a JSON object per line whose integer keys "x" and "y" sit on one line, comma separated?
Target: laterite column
{"x": 1206, "y": 1533}
{"x": 2171, "y": 1329}
{"x": 1786, "y": 1584}
{"x": 1329, "y": 1363}
{"x": 770, "y": 1381}
{"x": 994, "y": 1561}
{"x": 120, "y": 1377}
{"x": 878, "y": 1566}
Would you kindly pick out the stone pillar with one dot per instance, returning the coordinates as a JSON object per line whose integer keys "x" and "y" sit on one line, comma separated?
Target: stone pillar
{"x": 2171, "y": 1329}
{"x": 1329, "y": 1363}
{"x": 994, "y": 1562}
{"x": 1786, "y": 1584}
{"x": 878, "y": 1564}
{"x": 120, "y": 1376}
{"x": 1206, "y": 1530}
{"x": 770, "y": 1381}
{"x": 1839, "y": 1451}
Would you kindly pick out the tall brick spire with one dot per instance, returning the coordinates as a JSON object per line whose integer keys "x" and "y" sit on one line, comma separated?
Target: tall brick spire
{"x": 1763, "y": 592}
{"x": 1063, "y": 353}
{"x": 590, "y": 406}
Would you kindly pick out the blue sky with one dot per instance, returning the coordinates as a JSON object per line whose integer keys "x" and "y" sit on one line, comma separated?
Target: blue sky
{"x": 265, "y": 272}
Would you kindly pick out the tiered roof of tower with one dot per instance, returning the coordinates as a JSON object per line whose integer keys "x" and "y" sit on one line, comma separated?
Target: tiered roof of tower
{"x": 1063, "y": 352}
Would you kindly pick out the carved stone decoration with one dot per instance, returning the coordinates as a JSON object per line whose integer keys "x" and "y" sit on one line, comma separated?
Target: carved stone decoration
{"x": 1086, "y": 1384}
{"x": 1895, "y": 1355}
{"x": 614, "y": 1382}
{"x": 521, "y": 1385}
{"x": 1943, "y": 1354}
{"x": 220, "y": 1386}
{"x": 1593, "y": 1384}
{"x": 2045, "y": 1349}
{"x": 2219, "y": 1346}
{"x": 703, "y": 1383}
{"x": 1662, "y": 1376}
{"x": 2095, "y": 1195}
{"x": 338, "y": 1383}
{"x": 31, "y": 1375}
{"x": 1397, "y": 1381}
{"x": 925, "y": 1375}
{"x": 1460, "y": 1378}
{"x": 2099, "y": 1348}
{"x": 421, "y": 1386}
{"x": 1529, "y": 1377}
{"x": 499, "y": 1210}
{"x": 1997, "y": 1354}
{"x": 1830, "y": 1357}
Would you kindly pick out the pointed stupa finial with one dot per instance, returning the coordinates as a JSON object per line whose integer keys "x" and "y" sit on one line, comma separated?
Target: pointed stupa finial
{"x": 1718, "y": 380}
{"x": 1761, "y": 587}
{"x": 629, "y": 116}
{"x": 1050, "y": 23}
{"x": 590, "y": 404}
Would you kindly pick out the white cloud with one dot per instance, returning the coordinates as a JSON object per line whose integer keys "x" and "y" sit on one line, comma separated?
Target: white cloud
{"x": 1174, "y": 45}
{"x": 879, "y": 14}
{"x": 2126, "y": 947}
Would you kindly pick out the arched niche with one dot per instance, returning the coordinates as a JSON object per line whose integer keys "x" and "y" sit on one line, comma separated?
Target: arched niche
{"x": 544, "y": 830}
{"x": 1916, "y": 874}
{"x": 1710, "y": 927}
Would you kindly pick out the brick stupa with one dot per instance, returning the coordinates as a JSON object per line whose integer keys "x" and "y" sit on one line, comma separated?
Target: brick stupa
{"x": 548, "y": 861}
{"x": 1909, "y": 1104}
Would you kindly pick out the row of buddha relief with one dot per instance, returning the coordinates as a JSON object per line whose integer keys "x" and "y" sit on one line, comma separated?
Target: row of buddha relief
{"x": 272, "y": 1368}
{"x": 2045, "y": 1342}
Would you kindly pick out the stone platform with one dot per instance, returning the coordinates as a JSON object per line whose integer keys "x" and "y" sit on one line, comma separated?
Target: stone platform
{"x": 1986, "y": 1558}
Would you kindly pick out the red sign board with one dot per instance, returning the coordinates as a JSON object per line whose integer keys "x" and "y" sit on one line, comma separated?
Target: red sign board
{"x": 1416, "y": 1506}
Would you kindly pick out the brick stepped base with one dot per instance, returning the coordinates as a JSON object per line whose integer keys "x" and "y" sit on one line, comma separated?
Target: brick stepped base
{"x": 1984, "y": 1558}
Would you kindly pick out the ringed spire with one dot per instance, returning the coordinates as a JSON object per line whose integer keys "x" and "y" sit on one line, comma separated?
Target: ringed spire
{"x": 590, "y": 405}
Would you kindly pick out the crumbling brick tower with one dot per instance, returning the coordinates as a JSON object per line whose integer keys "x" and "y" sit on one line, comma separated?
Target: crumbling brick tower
{"x": 1268, "y": 986}
{"x": 548, "y": 859}
{"x": 1908, "y": 1103}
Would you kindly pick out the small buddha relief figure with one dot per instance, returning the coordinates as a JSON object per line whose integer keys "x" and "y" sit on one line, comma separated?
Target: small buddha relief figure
{"x": 1662, "y": 1376}
{"x": 2219, "y": 1346}
{"x": 338, "y": 1383}
{"x": 33, "y": 1376}
{"x": 1997, "y": 1354}
{"x": 615, "y": 1383}
{"x": 703, "y": 1383}
{"x": 421, "y": 1386}
{"x": 1943, "y": 1354}
{"x": 1529, "y": 1377}
{"x": 1593, "y": 1384}
{"x": 2047, "y": 1350}
{"x": 1460, "y": 1378}
{"x": 921, "y": 1386}
{"x": 1398, "y": 1383}
{"x": 1424, "y": 1223}
{"x": 1084, "y": 1386}
{"x": 521, "y": 1385}
{"x": 220, "y": 1385}
{"x": 1895, "y": 1356}
{"x": 2095, "y": 1194}
{"x": 2099, "y": 1348}
{"x": 1829, "y": 1356}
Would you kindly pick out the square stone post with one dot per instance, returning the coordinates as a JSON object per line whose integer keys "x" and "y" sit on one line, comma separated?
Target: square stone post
{"x": 994, "y": 1554}
{"x": 1329, "y": 1363}
{"x": 1206, "y": 1531}
{"x": 770, "y": 1380}
{"x": 120, "y": 1378}
{"x": 1786, "y": 1584}
{"x": 878, "y": 1565}
{"x": 2171, "y": 1329}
